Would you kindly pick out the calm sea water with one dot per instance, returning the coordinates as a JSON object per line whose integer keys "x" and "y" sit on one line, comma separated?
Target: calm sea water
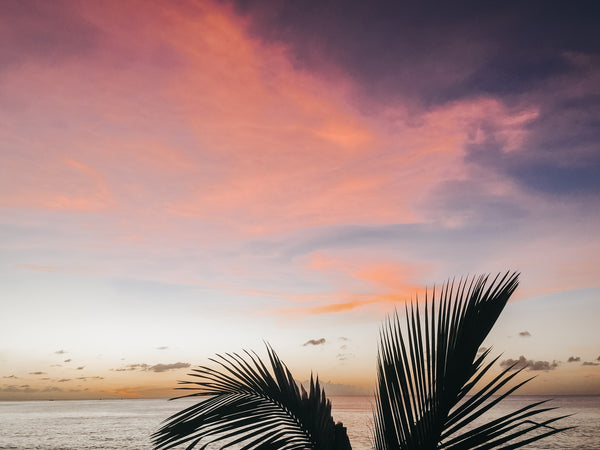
{"x": 127, "y": 424}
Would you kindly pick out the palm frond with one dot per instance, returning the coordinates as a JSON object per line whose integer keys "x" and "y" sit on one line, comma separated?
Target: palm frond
{"x": 251, "y": 406}
{"x": 428, "y": 369}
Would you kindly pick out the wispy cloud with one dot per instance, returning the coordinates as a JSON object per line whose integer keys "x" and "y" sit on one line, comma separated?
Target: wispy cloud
{"x": 166, "y": 367}
{"x": 25, "y": 389}
{"x": 130, "y": 367}
{"x": 344, "y": 356}
{"x": 524, "y": 363}
{"x": 153, "y": 368}
{"x": 320, "y": 341}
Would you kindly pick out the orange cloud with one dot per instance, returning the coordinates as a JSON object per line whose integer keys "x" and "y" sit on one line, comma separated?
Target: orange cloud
{"x": 381, "y": 283}
{"x": 335, "y": 307}
{"x": 64, "y": 184}
{"x": 394, "y": 275}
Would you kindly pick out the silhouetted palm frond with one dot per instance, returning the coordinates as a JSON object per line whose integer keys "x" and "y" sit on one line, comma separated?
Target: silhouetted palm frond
{"x": 250, "y": 406}
{"x": 428, "y": 368}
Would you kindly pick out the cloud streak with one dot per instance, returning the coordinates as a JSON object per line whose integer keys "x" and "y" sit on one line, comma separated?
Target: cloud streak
{"x": 314, "y": 342}
{"x": 158, "y": 368}
{"x": 166, "y": 367}
{"x": 524, "y": 363}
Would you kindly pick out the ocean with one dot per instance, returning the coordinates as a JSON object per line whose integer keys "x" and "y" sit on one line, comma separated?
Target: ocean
{"x": 127, "y": 424}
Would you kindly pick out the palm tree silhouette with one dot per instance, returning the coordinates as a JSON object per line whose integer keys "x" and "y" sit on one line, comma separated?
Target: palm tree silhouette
{"x": 429, "y": 390}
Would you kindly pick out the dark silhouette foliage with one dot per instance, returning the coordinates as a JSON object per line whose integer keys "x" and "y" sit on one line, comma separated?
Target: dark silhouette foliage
{"x": 429, "y": 393}
{"x": 428, "y": 372}
{"x": 249, "y": 405}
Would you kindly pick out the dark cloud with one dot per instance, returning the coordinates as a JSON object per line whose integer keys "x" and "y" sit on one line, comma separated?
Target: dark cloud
{"x": 18, "y": 389}
{"x": 574, "y": 359}
{"x": 166, "y": 367}
{"x": 590, "y": 363}
{"x": 162, "y": 348}
{"x": 52, "y": 389}
{"x": 90, "y": 378}
{"x": 555, "y": 178}
{"x": 320, "y": 341}
{"x": 37, "y": 373}
{"x": 130, "y": 367}
{"x": 63, "y": 380}
{"x": 524, "y": 334}
{"x": 559, "y": 152}
{"x": 431, "y": 52}
{"x": 527, "y": 55}
{"x": 81, "y": 368}
{"x": 344, "y": 356}
{"x": 67, "y": 360}
{"x": 524, "y": 363}
{"x": 154, "y": 368}
{"x": 11, "y": 376}
{"x": 60, "y": 352}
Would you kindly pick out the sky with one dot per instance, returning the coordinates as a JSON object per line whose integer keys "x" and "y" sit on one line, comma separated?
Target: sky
{"x": 180, "y": 179}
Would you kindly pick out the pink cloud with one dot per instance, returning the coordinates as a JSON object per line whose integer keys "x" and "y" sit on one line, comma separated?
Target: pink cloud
{"x": 361, "y": 283}
{"x": 205, "y": 122}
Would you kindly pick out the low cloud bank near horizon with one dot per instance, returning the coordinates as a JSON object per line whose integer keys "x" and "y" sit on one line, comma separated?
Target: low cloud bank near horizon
{"x": 167, "y": 367}
{"x": 524, "y": 363}
{"x": 158, "y": 368}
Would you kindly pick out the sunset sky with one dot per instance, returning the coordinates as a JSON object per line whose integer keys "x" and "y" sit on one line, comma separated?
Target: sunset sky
{"x": 179, "y": 179}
